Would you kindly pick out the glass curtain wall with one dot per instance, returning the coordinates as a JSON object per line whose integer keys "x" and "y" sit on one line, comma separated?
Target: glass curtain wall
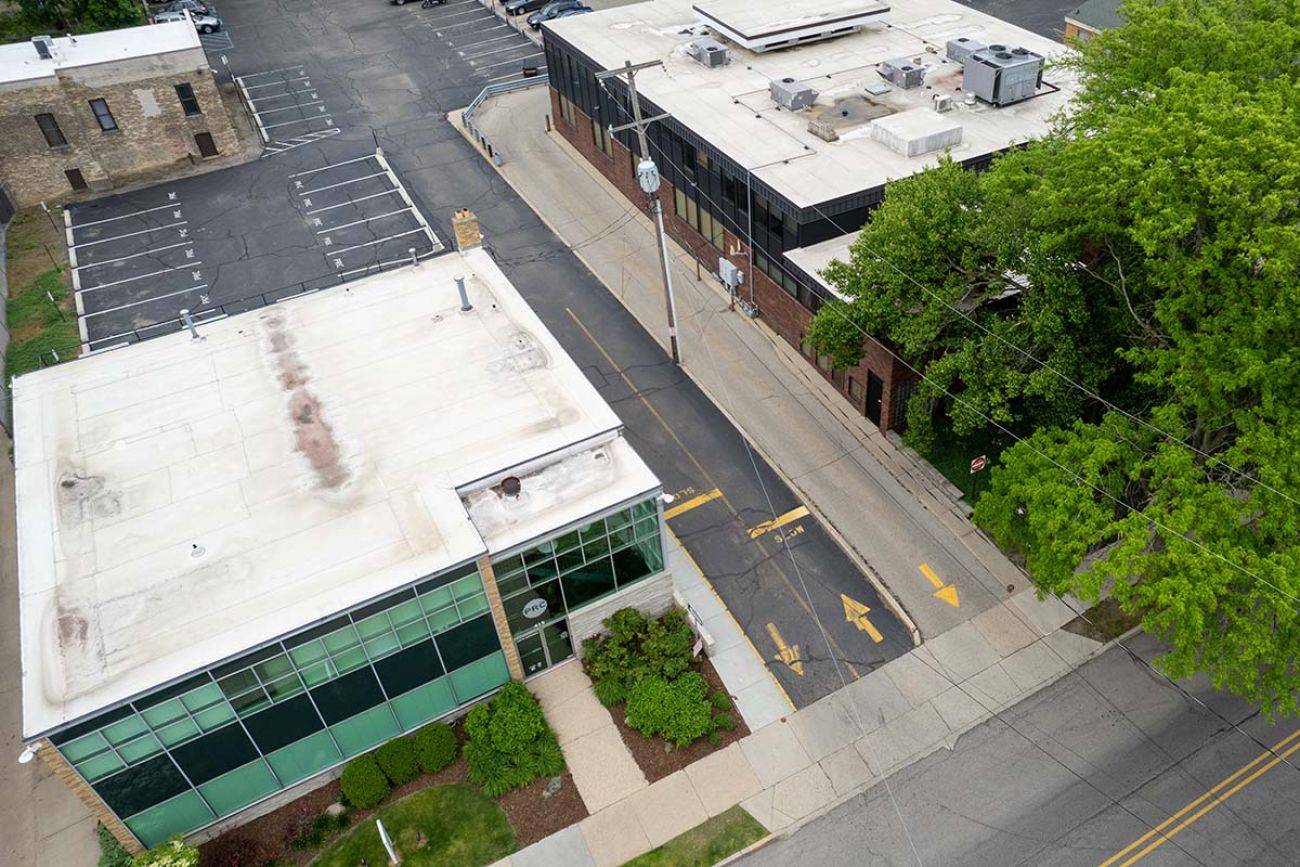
{"x": 205, "y": 748}
{"x": 580, "y": 566}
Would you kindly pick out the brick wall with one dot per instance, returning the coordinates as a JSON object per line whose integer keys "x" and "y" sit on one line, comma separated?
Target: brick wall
{"x": 783, "y": 313}
{"x": 153, "y": 133}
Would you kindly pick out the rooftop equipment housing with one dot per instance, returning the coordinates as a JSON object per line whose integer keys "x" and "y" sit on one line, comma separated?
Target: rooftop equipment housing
{"x": 962, "y": 47}
{"x": 903, "y": 72}
{"x": 791, "y": 94}
{"x": 709, "y": 52}
{"x": 758, "y": 28}
{"x": 1001, "y": 75}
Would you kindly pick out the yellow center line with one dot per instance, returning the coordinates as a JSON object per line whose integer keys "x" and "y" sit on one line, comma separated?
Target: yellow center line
{"x": 692, "y": 503}
{"x": 1212, "y": 795}
{"x": 778, "y": 522}
{"x": 798, "y": 597}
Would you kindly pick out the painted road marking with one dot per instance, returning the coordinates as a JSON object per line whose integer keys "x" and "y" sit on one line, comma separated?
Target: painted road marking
{"x": 778, "y": 522}
{"x": 787, "y": 653}
{"x": 504, "y": 62}
{"x": 364, "y": 220}
{"x": 486, "y": 41}
{"x": 341, "y": 183}
{"x": 131, "y": 234}
{"x": 1213, "y": 795}
{"x": 126, "y": 216}
{"x": 152, "y": 252}
{"x": 353, "y": 201}
{"x": 692, "y": 503}
{"x": 856, "y": 613}
{"x": 184, "y": 267}
{"x": 947, "y": 594}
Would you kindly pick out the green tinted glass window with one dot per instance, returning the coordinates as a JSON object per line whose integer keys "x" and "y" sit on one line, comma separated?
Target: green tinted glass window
{"x": 372, "y": 626}
{"x": 318, "y": 674}
{"x": 594, "y": 530}
{"x": 124, "y": 730}
{"x": 467, "y": 587}
{"x": 181, "y": 814}
{"x": 647, "y": 528}
{"x": 250, "y": 702}
{"x": 275, "y": 667}
{"x": 644, "y": 509}
{"x": 424, "y": 703}
{"x": 139, "y": 749}
{"x": 100, "y": 766}
{"x": 435, "y": 599}
{"x": 382, "y": 646}
{"x": 511, "y": 584}
{"x": 341, "y": 640}
{"x": 479, "y": 677}
{"x": 178, "y": 732}
{"x": 350, "y": 660}
{"x": 213, "y": 717}
{"x": 619, "y": 520}
{"x": 413, "y": 632}
{"x": 202, "y": 697}
{"x": 506, "y": 565}
{"x": 161, "y": 714}
{"x": 237, "y": 683}
{"x": 405, "y": 613}
{"x": 303, "y": 758}
{"x": 539, "y": 554}
{"x": 568, "y": 541}
{"x": 363, "y": 731}
{"x": 284, "y": 687}
{"x": 473, "y": 606}
{"x": 304, "y": 655}
{"x": 239, "y": 788}
{"x": 597, "y": 550}
{"x": 446, "y": 618}
{"x": 84, "y": 747}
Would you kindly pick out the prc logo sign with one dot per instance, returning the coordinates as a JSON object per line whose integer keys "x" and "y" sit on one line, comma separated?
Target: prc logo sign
{"x": 535, "y": 609}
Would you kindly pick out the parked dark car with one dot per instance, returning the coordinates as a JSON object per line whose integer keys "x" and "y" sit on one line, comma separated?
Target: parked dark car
{"x": 555, "y": 9}
{"x": 519, "y": 7}
{"x": 581, "y": 10}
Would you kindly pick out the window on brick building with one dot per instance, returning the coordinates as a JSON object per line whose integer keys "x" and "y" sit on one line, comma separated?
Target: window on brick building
{"x": 568, "y": 110}
{"x": 102, "y": 115}
{"x": 50, "y": 129}
{"x": 600, "y": 134}
{"x": 189, "y": 102}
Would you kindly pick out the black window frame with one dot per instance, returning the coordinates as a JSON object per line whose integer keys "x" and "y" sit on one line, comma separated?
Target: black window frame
{"x": 96, "y": 105}
{"x": 185, "y": 93}
{"x": 52, "y": 131}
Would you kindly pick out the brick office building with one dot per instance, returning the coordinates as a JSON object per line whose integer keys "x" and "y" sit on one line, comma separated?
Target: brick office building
{"x": 97, "y": 111}
{"x": 785, "y": 130}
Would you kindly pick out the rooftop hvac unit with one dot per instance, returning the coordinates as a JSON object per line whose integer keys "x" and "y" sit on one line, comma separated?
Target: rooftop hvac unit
{"x": 709, "y": 52}
{"x": 44, "y": 47}
{"x": 791, "y": 94}
{"x": 905, "y": 73}
{"x": 961, "y": 48}
{"x": 1001, "y": 75}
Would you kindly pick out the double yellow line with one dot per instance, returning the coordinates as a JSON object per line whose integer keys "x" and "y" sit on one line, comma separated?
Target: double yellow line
{"x": 1225, "y": 789}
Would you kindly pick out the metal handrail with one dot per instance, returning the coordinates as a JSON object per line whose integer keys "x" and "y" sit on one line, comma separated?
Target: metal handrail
{"x": 467, "y": 116}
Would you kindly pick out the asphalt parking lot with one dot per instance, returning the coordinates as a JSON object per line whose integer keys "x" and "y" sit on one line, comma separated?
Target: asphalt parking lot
{"x": 286, "y": 107}
{"x": 492, "y": 49}
{"x": 236, "y": 239}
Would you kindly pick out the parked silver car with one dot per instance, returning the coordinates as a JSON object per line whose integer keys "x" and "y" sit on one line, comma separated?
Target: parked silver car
{"x": 203, "y": 23}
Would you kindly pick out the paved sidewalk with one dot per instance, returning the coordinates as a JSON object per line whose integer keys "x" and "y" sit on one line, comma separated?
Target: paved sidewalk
{"x": 889, "y": 510}
{"x": 811, "y": 760}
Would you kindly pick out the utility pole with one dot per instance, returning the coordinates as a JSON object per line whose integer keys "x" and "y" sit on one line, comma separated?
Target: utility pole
{"x": 647, "y": 174}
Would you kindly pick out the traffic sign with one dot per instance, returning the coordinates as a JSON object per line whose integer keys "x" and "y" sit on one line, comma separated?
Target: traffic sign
{"x": 979, "y": 463}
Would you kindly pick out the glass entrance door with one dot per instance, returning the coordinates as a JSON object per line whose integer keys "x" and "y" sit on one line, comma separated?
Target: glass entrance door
{"x": 556, "y": 638}
{"x": 532, "y": 654}
{"x": 544, "y": 646}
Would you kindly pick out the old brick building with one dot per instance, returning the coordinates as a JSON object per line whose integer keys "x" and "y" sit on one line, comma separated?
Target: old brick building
{"x": 784, "y": 131}
{"x": 94, "y": 112}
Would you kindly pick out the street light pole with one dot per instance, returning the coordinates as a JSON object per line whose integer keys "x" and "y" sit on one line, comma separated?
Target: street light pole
{"x": 647, "y": 175}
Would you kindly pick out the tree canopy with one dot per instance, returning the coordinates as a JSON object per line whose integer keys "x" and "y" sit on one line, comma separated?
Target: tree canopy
{"x": 1124, "y": 295}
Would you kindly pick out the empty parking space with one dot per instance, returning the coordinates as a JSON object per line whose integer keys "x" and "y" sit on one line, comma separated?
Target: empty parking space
{"x": 287, "y": 107}
{"x": 217, "y": 42}
{"x": 491, "y": 48}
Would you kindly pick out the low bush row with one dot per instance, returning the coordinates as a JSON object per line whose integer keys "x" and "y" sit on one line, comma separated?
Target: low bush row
{"x": 368, "y": 779}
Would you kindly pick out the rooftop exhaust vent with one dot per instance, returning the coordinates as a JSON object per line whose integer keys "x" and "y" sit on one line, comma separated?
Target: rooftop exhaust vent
{"x": 44, "y": 46}
{"x": 791, "y": 94}
{"x": 709, "y": 52}
{"x": 904, "y": 72}
{"x": 1001, "y": 75}
{"x": 768, "y": 27}
{"x": 961, "y": 48}
{"x": 510, "y": 486}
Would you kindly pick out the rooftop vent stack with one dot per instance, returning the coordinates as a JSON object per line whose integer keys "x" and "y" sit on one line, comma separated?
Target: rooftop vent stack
{"x": 904, "y": 72}
{"x": 511, "y": 486}
{"x": 823, "y": 130}
{"x": 44, "y": 47}
{"x": 709, "y": 52}
{"x": 1002, "y": 76}
{"x": 791, "y": 94}
{"x": 961, "y": 48}
{"x": 464, "y": 295}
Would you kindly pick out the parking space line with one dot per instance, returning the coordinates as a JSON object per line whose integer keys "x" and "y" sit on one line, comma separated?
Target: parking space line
{"x": 273, "y": 71}
{"x": 353, "y": 201}
{"x": 296, "y": 120}
{"x": 341, "y": 183}
{"x": 290, "y": 107}
{"x": 132, "y": 256}
{"x": 485, "y": 41}
{"x": 450, "y": 15}
{"x": 279, "y": 83}
{"x": 512, "y": 60}
{"x": 281, "y": 95}
{"x": 377, "y": 241}
{"x": 381, "y": 265}
{"x": 128, "y": 234}
{"x": 424, "y": 224}
{"x": 497, "y": 51}
{"x": 366, "y": 220}
{"x": 145, "y": 301}
{"x": 333, "y": 166}
{"x": 468, "y": 24}
{"x": 184, "y": 267}
{"x": 172, "y": 206}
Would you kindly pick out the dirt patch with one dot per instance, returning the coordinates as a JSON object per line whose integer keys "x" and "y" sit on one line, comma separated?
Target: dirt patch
{"x": 33, "y": 245}
{"x": 1103, "y": 621}
{"x": 655, "y": 756}
{"x": 535, "y": 814}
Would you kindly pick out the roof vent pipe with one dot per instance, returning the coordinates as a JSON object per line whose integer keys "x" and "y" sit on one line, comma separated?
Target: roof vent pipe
{"x": 464, "y": 296}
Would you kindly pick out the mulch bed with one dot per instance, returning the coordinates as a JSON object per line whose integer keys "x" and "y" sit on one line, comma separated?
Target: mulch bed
{"x": 651, "y": 755}
{"x": 534, "y": 814}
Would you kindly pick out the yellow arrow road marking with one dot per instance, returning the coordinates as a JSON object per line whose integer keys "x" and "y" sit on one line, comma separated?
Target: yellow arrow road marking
{"x": 947, "y": 594}
{"x": 692, "y": 503}
{"x": 787, "y": 653}
{"x": 856, "y": 613}
{"x": 778, "y": 522}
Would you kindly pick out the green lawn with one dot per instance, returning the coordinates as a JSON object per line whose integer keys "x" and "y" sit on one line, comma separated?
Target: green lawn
{"x": 705, "y": 845}
{"x": 460, "y": 825}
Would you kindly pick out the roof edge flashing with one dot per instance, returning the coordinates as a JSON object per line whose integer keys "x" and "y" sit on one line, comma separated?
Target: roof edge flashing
{"x": 784, "y": 34}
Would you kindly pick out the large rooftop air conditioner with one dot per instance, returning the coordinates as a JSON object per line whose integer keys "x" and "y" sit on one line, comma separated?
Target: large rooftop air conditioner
{"x": 904, "y": 72}
{"x": 709, "y": 52}
{"x": 1000, "y": 75}
{"x": 961, "y": 48}
{"x": 791, "y": 94}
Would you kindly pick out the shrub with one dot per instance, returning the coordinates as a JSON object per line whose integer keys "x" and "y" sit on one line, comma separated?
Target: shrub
{"x": 363, "y": 782}
{"x": 667, "y": 645}
{"x": 715, "y": 738}
{"x": 724, "y": 721}
{"x": 173, "y": 853}
{"x": 611, "y": 691}
{"x": 720, "y": 700}
{"x": 435, "y": 747}
{"x": 677, "y": 709}
{"x": 510, "y": 744}
{"x": 111, "y": 852}
{"x": 636, "y": 648}
{"x": 397, "y": 760}
{"x": 627, "y": 625}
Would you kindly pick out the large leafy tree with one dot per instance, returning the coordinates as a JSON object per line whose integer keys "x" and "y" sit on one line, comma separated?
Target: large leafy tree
{"x": 1159, "y": 229}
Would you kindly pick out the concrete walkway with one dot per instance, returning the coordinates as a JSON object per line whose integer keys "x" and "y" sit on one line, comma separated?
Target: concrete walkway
{"x": 889, "y": 510}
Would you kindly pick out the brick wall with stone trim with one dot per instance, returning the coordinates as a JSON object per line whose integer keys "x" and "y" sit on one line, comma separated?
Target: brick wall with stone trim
{"x": 153, "y": 132}
{"x": 782, "y": 312}
{"x": 65, "y": 773}
{"x": 499, "y": 620}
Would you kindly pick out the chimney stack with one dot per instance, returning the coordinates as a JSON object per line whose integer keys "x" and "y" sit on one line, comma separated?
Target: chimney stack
{"x": 464, "y": 224}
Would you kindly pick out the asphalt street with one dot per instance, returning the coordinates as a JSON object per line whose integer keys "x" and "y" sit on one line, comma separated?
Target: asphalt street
{"x": 1109, "y": 766}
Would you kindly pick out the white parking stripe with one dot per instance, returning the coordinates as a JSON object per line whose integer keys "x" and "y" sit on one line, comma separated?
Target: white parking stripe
{"x": 450, "y": 15}
{"x": 373, "y": 243}
{"x": 145, "y": 301}
{"x": 484, "y": 42}
{"x": 332, "y": 166}
{"x": 353, "y": 201}
{"x": 130, "y": 234}
{"x": 282, "y": 95}
{"x": 528, "y": 45}
{"x": 512, "y": 60}
{"x": 290, "y": 107}
{"x": 274, "y": 83}
{"x": 366, "y": 220}
{"x": 296, "y": 120}
{"x": 132, "y": 256}
{"x": 133, "y": 214}
{"x": 341, "y": 184}
{"x": 273, "y": 71}
{"x": 468, "y": 24}
{"x": 184, "y": 267}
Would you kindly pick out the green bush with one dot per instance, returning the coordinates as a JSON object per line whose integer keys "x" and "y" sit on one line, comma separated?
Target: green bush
{"x": 677, "y": 709}
{"x": 668, "y": 644}
{"x": 363, "y": 782}
{"x": 111, "y": 852}
{"x": 611, "y": 691}
{"x": 635, "y": 648}
{"x": 627, "y": 625}
{"x": 724, "y": 722}
{"x": 320, "y": 829}
{"x": 435, "y": 747}
{"x": 510, "y": 744}
{"x": 720, "y": 700}
{"x": 397, "y": 760}
{"x": 715, "y": 738}
{"x": 173, "y": 853}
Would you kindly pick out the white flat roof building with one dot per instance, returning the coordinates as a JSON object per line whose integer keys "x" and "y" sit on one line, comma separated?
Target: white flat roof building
{"x": 181, "y": 501}
{"x": 730, "y": 106}
{"x": 19, "y": 61}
